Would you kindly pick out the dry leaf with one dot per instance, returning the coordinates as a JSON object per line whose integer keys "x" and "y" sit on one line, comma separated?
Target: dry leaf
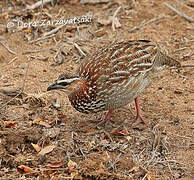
{"x": 46, "y": 150}
{"x": 124, "y": 132}
{"x": 43, "y": 123}
{"x": 10, "y": 124}
{"x": 47, "y": 172}
{"x": 5, "y": 16}
{"x": 69, "y": 29}
{"x": 27, "y": 30}
{"x": 74, "y": 1}
{"x": 104, "y": 22}
{"x": 54, "y": 177}
{"x": 134, "y": 169}
{"x": 100, "y": 32}
{"x": 22, "y": 169}
{"x": 72, "y": 165}
{"x": 52, "y": 132}
{"x": 91, "y": 131}
{"x": 10, "y": 91}
{"x": 40, "y": 121}
{"x": 149, "y": 176}
{"x": 62, "y": 116}
{"x": 91, "y": 144}
{"x": 36, "y": 147}
{"x": 55, "y": 165}
{"x": 120, "y": 132}
{"x": 37, "y": 121}
{"x": 114, "y": 131}
{"x": 104, "y": 141}
{"x": 104, "y": 155}
{"x": 74, "y": 174}
{"x": 128, "y": 138}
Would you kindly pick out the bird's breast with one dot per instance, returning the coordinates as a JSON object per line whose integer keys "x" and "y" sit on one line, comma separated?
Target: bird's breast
{"x": 84, "y": 98}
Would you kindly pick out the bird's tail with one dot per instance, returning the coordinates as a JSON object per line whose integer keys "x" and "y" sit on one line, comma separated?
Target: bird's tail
{"x": 165, "y": 60}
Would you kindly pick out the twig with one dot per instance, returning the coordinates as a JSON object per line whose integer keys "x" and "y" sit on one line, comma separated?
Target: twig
{"x": 108, "y": 135}
{"x": 169, "y": 166}
{"x": 82, "y": 153}
{"x": 79, "y": 49}
{"x": 42, "y": 38}
{"x": 23, "y": 86}
{"x": 176, "y": 162}
{"x": 37, "y": 4}
{"x": 5, "y": 46}
{"x": 48, "y": 34}
{"x": 186, "y": 137}
{"x": 143, "y": 23}
{"x": 109, "y": 161}
{"x": 179, "y": 12}
{"x": 187, "y": 40}
{"x": 157, "y": 137}
{"x": 40, "y": 57}
{"x": 187, "y": 65}
{"x": 180, "y": 49}
{"x": 37, "y": 50}
{"x": 54, "y": 30}
{"x": 41, "y": 8}
{"x": 145, "y": 176}
{"x": 93, "y": 1}
{"x": 114, "y": 18}
{"x": 184, "y": 5}
{"x": 116, "y": 12}
{"x": 116, "y": 161}
{"x": 12, "y": 60}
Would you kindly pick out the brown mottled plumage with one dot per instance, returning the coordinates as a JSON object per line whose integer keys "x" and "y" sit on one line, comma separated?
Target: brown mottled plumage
{"x": 113, "y": 76}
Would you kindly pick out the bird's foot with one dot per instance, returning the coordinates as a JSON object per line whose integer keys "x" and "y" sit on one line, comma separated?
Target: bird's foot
{"x": 98, "y": 121}
{"x": 139, "y": 123}
{"x": 139, "y": 119}
{"x": 101, "y": 123}
{"x": 106, "y": 119}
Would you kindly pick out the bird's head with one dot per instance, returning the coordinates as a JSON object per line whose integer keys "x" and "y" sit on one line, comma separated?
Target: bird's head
{"x": 65, "y": 83}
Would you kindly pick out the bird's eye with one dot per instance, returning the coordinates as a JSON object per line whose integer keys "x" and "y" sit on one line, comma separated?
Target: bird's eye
{"x": 63, "y": 83}
{"x": 61, "y": 78}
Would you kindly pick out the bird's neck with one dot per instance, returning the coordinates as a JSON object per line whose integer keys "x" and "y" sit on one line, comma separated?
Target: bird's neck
{"x": 77, "y": 88}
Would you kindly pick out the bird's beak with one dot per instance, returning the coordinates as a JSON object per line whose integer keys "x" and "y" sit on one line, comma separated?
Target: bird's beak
{"x": 54, "y": 86}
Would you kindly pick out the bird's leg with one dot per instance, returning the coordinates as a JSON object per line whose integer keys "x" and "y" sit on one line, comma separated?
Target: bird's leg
{"x": 106, "y": 118}
{"x": 138, "y": 117}
{"x": 108, "y": 115}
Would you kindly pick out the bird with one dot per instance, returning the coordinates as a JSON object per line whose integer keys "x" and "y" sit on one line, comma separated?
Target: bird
{"x": 113, "y": 76}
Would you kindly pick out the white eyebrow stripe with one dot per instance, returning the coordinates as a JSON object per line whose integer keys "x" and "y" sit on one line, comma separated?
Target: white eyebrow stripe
{"x": 67, "y": 80}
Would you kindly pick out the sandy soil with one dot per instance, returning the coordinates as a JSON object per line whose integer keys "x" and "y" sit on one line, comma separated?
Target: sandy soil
{"x": 43, "y": 137}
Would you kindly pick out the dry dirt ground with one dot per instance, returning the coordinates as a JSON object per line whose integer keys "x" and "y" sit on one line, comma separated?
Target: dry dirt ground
{"x": 43, "y": 137}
